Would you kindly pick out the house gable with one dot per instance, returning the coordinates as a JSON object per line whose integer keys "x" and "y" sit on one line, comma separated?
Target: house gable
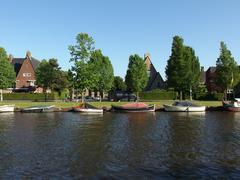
{"x": 26, "y": 75}
{"x": 155, "y": 80}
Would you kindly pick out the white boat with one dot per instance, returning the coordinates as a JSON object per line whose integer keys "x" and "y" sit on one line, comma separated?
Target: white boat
{"x": 7, "y": 108}
{"x": 38, "y": 109}
{"x": 184, "y": 106}
{"x": 87, "y": 108}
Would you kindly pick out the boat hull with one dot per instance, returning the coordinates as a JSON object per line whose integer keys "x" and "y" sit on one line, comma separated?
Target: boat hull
{"x": 133, "y": 109}
{"x": 7, "y": 108}
{"x": 171, "y": 108}
{"x": 39, "y": 109}
{"x": 88, "y": 110}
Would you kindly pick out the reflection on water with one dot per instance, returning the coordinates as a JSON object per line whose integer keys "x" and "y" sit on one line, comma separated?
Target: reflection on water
{"x": 120, "y": 145}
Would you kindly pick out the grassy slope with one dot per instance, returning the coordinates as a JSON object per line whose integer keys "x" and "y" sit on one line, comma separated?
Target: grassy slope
{"x": 159, "y": 104}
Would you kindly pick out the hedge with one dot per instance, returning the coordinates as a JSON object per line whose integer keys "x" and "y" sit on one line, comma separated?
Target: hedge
{"x": 161, "y": 95}
{"x": 208, "y": 96}
{"x": 31, "y": 96}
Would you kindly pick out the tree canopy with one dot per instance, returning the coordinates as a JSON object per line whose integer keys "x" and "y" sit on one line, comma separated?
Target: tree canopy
{"x": 7, "y": 74}
{"x": 183, "y": 68}
{"x": 50, "y": 75}
{"x": 102, "y": 71}
{"x": 119, "y": 84}
{"x": 136, "y": 77}
{"x": 227, "y": 69}
{"x": 80, "y": 55}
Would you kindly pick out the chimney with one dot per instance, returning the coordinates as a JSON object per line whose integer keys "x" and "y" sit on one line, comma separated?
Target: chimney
{"x": 28, "y": 55}
{"x": 147, "y": 61}
{"x": 202, "y": 69}
{"x": 10, "y": 58}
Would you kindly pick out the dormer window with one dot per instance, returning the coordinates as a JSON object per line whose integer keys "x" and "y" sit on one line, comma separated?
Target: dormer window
{"x": 26, "y": 74}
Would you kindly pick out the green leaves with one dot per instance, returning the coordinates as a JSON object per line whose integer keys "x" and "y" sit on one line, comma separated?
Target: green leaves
{"x": 7, "y": 74}
{"x": 183, "y": 68}
{"x": 50, "y": 75}
{"x": 103, "y": 71}
{"x": 136, "y": 77}
{"x": 227, "y": 69}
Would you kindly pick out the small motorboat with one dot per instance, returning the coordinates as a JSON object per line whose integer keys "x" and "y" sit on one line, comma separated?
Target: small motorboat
{"x": 38, "y": 109}
{"x": 184, "y": 106}
{"x": 232, "y": 105}
{"x": 7, "y": 108}
{"x": 87, "y": 108}
{"x": 134, "y": 107}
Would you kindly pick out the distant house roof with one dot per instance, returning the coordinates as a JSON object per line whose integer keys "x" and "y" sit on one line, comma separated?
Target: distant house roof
{"x": 17, "y": 63}
{"x": 212, "y": 69}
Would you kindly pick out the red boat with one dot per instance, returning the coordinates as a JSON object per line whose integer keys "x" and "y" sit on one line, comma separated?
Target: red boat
{"x": 232, "y": 105}
{"x": 134, "y": 107}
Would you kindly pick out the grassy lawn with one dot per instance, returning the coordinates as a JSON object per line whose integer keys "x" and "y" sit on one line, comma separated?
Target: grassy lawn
{"x": 158, "y": 104}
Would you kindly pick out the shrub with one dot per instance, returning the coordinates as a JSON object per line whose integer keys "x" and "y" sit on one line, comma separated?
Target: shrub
{"x": 157, "y": 95}
{"x": 209, "y": 96}
{"x": 30, "y": 96}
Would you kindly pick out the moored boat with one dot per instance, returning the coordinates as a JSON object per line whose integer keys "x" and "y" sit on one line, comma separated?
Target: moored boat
{"x": 7, "y": 108}
{"x": 232, "y": 105}
{"x": 87, "y": 108}
{"x": 134, "y": 107}
{"x": 184, "y": 106}
{"x": 38, "y": 109}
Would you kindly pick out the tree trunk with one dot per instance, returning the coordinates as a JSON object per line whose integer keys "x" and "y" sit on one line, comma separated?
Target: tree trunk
{"x": 1, "y": 92}
{"x": 83, "y": 97}
{"x": 190, "y": 95}
{"x": 225, "y": 94}
{"x": 180, "y": 96}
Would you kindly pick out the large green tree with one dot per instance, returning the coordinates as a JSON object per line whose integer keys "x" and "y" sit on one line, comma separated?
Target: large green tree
{"x": 183, "y": 68}
{"x": 7, "y": 74}
{"x": 192, "y": 73}
{"x": 136, "y": 77}
{"x": 102, "y": 72}
{"x": 227, "y": 69}
{"x": 49, "y": 75}
{"x": 81, "y": 70}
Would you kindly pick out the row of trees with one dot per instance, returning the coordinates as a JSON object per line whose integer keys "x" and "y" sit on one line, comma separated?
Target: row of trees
{"x": 91, "y": 70}
{"x": 183, "y": 69}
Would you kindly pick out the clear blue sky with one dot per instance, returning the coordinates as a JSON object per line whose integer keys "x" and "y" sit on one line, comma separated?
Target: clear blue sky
{"x": 120, "y": 28}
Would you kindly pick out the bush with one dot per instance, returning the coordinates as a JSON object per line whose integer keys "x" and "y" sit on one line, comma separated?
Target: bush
{"x": 209, "y": 96}
{"x": 30, "y": 96}
{"x": 157, "y": 95}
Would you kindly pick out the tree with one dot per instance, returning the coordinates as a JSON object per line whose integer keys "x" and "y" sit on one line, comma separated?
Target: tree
{"x": 227, "y": 69}
{"x": 136, "y": 77}
{"x": 192, "y": 74}
{"x": 50, "y": 75}
{"x": 82, "y": 70}
{"x": 7, "y": 74}
{"x": 102, "y": 71}
{"x": 183, "y": 68}
{"x": 119, "y": 84}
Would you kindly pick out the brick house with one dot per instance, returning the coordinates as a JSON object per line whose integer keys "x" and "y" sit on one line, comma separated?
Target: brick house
{"x": 25, "y": 72}
{"x": 211, "y": 76}
{"x": 155, "y": 80}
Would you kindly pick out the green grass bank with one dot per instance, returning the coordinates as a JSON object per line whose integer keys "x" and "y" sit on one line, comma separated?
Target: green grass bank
{"x": 159, "y": 104}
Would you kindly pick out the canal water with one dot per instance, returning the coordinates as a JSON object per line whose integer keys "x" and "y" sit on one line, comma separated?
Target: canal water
{"x": 120, "y": 145}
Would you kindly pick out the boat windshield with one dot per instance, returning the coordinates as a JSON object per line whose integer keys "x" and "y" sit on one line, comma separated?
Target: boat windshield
{"x": 183, "y": 103}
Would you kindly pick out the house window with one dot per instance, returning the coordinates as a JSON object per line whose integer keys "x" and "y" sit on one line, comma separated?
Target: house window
{"x": 26, "y": 74}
